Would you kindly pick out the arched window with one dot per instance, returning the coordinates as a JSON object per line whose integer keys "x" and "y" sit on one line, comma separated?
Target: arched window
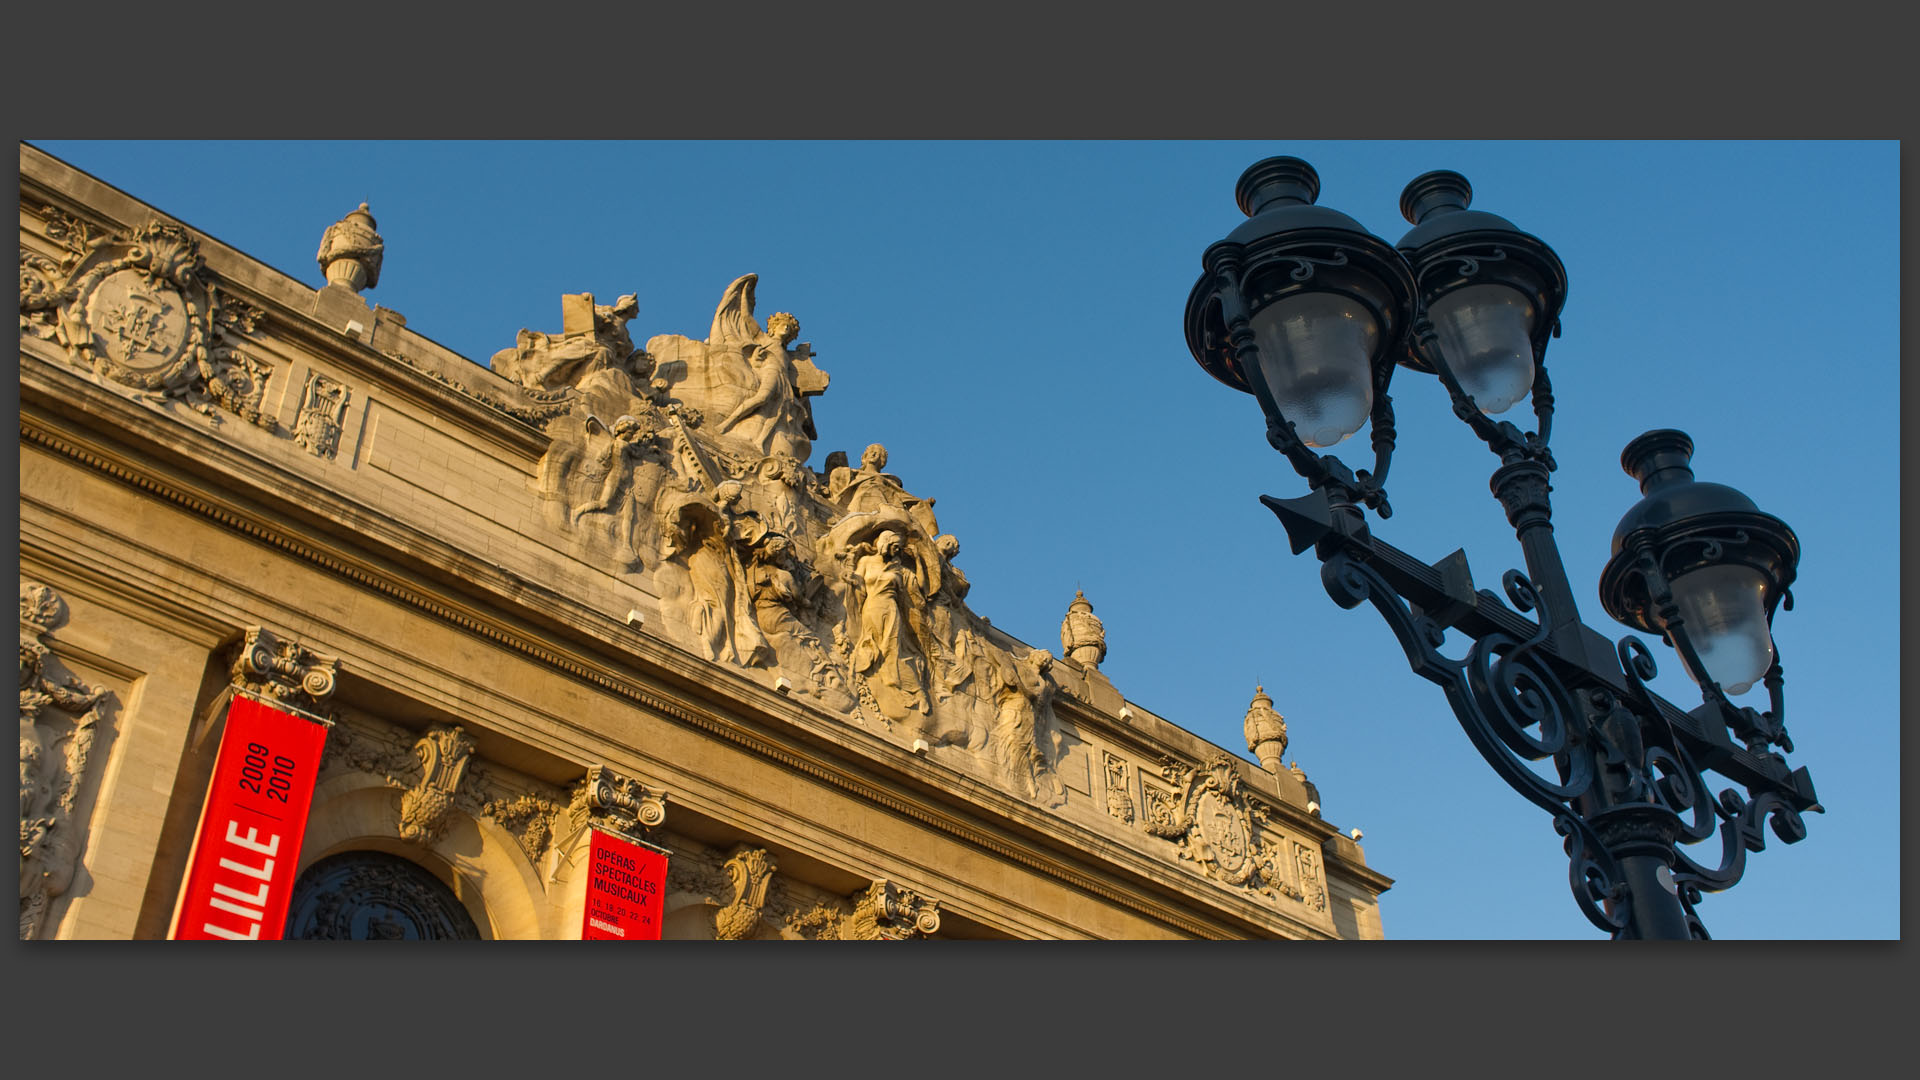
{"x": 374, "y": 896}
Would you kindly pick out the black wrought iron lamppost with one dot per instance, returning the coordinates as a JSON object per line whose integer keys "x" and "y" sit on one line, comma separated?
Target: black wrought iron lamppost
{"x": 1304, "y": 309}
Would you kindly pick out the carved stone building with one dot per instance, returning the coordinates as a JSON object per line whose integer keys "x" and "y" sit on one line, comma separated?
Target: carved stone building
{"x": 600, "y": 581}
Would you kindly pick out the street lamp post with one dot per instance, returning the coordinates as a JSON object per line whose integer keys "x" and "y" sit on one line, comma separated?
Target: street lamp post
{"x": 1304, "y": 309}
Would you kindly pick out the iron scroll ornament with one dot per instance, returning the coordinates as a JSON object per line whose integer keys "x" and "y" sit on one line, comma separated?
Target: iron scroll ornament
{"x": 1624, "y": 782}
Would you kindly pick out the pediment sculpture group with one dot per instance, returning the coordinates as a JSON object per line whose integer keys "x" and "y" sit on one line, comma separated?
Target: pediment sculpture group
{"x": 687, "y": 460}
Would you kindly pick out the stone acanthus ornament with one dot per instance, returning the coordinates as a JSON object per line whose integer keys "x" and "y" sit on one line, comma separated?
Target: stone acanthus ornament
{"x": 1119, "y": 803}
{"x": 818, "y": 922}
{"x": 619, "y": 802}
{"x": 284, "y": 670}
{"x": 323, "y": 411}
{"x": 1229, "y": 836}
{"x": 139, "y": 309}
{"x": 749, "y": 871}
{"x": 1082, "y": 636}
{"x": 1266, "y": 731}
{"x": 531, "y": 810}
{"x": 443, "y": 753}
{"x": 888, "y": 912}
{"x": 1276, "y": 878}
{"x": 59, "y": 720}
{"x": 350, "y": 251}
{"x": 40, "y": 295}
{"x": 236, "y": 316}
{"x": 46, "y": 284}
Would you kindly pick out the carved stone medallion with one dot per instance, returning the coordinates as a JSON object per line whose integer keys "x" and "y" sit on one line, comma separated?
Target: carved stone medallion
{"x": 140, "y": 312}
{"x": 139, "y": 309}
{"x": 1227, "y": 834}
{"x": 139, "y": 324}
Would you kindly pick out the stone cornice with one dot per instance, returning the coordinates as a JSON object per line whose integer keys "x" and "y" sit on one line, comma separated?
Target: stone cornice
{"x": 250, "y": 494}
{"x": 415, "y": 374}
{"x": 832, "y": 757}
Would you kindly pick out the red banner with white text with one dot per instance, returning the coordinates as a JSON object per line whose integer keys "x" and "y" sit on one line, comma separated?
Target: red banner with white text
{"x": 626, "y": 890}
{"x": 248, "y": 848}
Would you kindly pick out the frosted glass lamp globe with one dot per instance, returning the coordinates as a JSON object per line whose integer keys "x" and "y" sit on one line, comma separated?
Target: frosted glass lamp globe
{"x": 1315, "y": 352}
{"x": 1725, "y": 615}
{"x": 1483, "y": 332}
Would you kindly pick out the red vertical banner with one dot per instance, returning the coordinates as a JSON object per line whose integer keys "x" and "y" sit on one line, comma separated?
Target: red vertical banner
{"x": 248, "y": 848}
{"x": 626, "y": 890}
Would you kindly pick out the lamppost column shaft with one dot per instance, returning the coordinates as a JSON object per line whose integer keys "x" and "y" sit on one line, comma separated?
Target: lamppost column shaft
{"x": 1521, "y": 487}
{"x": 1657, "y": 914}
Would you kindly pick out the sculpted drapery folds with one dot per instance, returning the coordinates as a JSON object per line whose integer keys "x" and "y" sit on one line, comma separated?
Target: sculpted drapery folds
{"x": 840, "y": 590}
{"x": 1023, "y": 726}
{"x": 782, "y": 592}
{"x": 59, "y": 717}
{"x": 885, "y": 653}
{"x": 704, "y": 537}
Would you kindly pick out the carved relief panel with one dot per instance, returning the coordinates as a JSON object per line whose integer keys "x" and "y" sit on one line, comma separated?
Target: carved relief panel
{"x": 60, "y": 720}
{"x": 1119, "y": 802}
{"x": 1227, "y": 834}
{"x": 323, "y": 413}
{"x": 687, "y": 461}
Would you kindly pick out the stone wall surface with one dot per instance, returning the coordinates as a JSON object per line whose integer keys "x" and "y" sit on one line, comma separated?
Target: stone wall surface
{"x": 590, "y": 568}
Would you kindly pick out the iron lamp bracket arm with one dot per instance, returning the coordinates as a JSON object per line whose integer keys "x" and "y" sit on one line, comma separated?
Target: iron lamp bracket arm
{"x": 1444, "y": 594}
{"x": 1514, "y": 710}
{"x": 1599, "y": 889}
{"x": 1507, "y": 700}
{"x": 1743, "y": 829}
{"x": 1615, "y": 747}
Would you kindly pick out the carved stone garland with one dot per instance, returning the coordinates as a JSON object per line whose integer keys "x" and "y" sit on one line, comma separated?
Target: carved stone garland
{"x": 58, "y": 722}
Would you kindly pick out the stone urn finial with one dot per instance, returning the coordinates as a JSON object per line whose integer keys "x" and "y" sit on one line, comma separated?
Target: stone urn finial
{"x": 350, "y": 251}
{"x": 1266, "y": 731}
{"x": 1082, "y": 636}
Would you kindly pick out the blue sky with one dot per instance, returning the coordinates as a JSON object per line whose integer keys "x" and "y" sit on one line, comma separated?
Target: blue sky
{"x": 1006, "y": 318}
